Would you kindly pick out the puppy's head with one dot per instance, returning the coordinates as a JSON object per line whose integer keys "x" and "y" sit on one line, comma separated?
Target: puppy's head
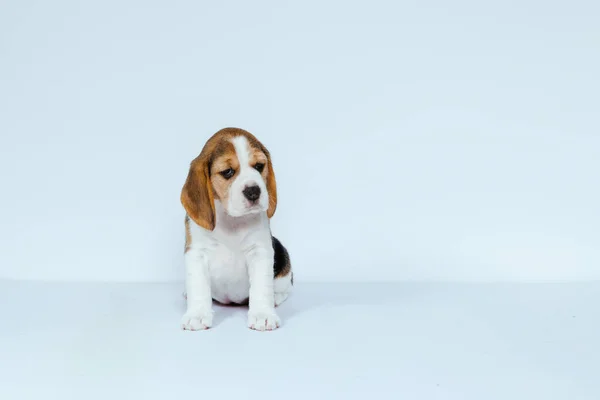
{"x": 234, "y": 168}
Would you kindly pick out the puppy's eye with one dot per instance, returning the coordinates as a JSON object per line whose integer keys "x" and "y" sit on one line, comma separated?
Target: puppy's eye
{"x": 259, "y": 167}
{"x": 228, "y": 173}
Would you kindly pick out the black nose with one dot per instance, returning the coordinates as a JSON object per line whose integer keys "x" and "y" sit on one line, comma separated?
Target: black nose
{"x": 252, "y": 193}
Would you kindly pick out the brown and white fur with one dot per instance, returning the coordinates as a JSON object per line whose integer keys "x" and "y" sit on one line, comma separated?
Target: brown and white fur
{"x": 230, "y": 255}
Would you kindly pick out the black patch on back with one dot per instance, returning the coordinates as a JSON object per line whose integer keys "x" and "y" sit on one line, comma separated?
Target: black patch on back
{"x": 282, "y": 265}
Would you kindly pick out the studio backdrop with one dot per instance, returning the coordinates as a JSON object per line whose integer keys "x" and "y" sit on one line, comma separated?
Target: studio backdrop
{"x": 411, "y": 140}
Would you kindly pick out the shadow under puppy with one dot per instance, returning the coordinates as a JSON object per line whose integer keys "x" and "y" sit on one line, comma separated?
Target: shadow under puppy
{"x": 230, "y": 255}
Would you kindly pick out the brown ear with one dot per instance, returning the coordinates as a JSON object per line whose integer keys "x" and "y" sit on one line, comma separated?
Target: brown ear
{"x": 271, "y": 188}
{"x": 197, "y": 195}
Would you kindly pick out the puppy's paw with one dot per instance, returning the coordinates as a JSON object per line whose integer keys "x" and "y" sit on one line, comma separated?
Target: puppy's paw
{"x": 266, "y": 320}
{"x": 197, "y": 320}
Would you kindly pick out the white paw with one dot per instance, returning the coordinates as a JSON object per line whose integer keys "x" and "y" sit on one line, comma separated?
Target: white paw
{"x": 263, "y": 320}
{"x": 197, "y": 320}
{"x": 281, "y": 297}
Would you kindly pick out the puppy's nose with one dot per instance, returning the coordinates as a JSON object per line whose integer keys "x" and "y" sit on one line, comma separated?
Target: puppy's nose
{"x": 252, "y": 193}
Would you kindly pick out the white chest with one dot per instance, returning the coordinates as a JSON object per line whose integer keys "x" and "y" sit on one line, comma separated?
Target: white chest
{"x": 226, "y": 248}
{"x": 229, "y": 275}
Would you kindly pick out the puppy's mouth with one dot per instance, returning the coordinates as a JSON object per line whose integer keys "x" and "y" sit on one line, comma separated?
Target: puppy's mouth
{"x": 248, "y": 209}
{"x": 253, "y": 208}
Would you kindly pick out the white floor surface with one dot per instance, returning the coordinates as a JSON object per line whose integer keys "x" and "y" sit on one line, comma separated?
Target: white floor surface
{"x": 338, "y": 341}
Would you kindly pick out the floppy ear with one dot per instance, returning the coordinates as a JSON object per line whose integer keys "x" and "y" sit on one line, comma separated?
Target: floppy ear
{"x": 271, "y": 187}
{"x": 197, "y": 196}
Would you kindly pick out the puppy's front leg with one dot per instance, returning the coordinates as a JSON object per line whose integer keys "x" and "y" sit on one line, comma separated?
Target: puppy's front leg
{"x": 261, "y": 314}
{"x": 199, "y": 314}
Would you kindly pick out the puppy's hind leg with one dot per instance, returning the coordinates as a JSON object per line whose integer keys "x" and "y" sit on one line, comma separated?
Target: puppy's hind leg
{"x": 282, "y": 287}
{"x": 282, "y": 270}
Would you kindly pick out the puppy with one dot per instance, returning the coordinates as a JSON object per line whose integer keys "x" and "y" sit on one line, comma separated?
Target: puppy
{"x": 230, "y": 255}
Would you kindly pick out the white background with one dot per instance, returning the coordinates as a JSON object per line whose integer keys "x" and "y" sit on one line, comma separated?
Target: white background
{"x": 411, "y": 140}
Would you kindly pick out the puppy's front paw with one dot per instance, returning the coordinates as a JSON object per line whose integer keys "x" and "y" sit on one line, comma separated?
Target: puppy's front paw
{"x": 197, "y": 320}
{"x": 263, "y": 320}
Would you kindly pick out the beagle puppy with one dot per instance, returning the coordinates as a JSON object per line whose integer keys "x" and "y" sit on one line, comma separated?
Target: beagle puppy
{"x": 230, "y": 255}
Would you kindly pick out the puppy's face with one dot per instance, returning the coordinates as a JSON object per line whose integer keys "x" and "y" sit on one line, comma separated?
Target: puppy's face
{"x": 234, "y": 168}
{"x": 239, "y": 174}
